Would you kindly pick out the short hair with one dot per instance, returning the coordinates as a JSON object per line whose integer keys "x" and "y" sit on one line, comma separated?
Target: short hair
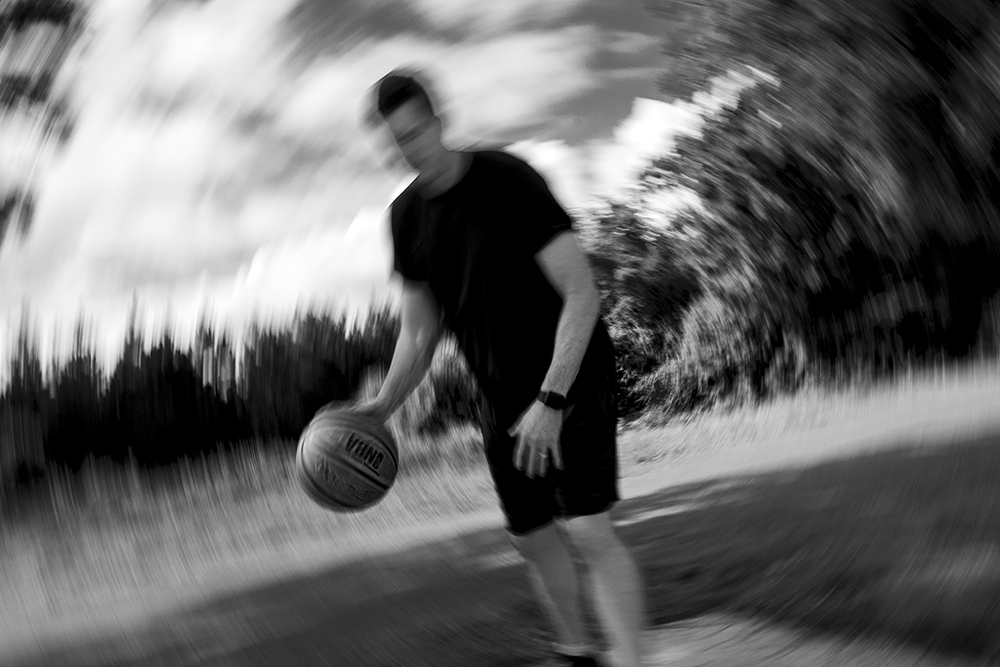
{"x": 399, "y": 87}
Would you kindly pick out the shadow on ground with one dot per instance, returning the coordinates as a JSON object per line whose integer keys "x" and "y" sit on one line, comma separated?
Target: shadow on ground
{"x": 900, "y": 545}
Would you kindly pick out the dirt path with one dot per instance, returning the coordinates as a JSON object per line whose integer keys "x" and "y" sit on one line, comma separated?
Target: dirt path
{"x": 445, "y": 590}
{"x": 723, "y": 642}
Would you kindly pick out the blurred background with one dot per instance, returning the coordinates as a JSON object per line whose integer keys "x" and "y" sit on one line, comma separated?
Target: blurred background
{"x": 788, "y": 204}
{"x": 195, "y": 253}
{"x": 188, "y": 186}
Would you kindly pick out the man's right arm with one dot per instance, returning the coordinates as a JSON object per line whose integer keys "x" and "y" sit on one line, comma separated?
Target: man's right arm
{"x": 420, "y": 330}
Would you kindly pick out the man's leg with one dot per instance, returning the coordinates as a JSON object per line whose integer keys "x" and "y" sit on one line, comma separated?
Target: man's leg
{"x": 555, "y": 583}
{"x": 586, "y": 489}
{"x": 618, "y": 592}
{"x": 528, "y": 505}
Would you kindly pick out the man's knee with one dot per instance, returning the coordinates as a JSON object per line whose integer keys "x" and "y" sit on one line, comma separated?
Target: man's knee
{"x": 535, "y": 543}
{"x": 592, "y": 535}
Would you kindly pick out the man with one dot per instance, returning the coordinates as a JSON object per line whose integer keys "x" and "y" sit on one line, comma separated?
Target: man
{"x": 485, "y": 251}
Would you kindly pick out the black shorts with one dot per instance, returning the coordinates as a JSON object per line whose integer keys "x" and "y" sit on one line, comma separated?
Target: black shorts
{"x": 588, "y": 482}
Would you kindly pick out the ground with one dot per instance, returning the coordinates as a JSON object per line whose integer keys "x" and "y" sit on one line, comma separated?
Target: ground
{"x": 454, "y": 593}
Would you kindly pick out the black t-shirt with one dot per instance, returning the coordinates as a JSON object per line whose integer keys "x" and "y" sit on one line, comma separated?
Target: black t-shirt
{"x": 475, "y": 246}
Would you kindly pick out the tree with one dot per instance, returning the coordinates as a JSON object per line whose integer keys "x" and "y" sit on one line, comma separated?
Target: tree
{"x": 645, "y": 285}
{"x": 864, "y": 180}
{"x": 35, "y": 36}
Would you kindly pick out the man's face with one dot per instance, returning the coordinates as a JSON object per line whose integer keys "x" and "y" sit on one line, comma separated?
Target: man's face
{"x": 418, "y": 135}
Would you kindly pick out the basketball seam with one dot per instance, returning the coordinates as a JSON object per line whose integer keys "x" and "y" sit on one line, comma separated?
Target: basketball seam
{"x": 363, "y": 471}
{"x": 315, "y": 489}
{"x": 316, "y": 481}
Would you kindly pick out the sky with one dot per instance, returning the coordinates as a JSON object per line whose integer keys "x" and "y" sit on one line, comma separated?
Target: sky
{"x": 219, "y": 168}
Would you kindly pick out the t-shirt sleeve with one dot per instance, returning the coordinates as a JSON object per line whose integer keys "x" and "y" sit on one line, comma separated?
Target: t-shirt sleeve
{"x": 404, "y": 260}
{"x": 537, "y": 216}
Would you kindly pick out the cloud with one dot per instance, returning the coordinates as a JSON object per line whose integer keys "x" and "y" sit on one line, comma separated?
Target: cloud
{"x": 24, "y": 150}
{"x": 651, "y": 129}
{"x": 131, "y": 200}
{"x": 562, "y": 166}
{"x": 578, "y": 175}
{"x": 515, "y": 81}
{"x": 487, "y": 87}
{"x": 581, "y": 175}
{"x": 209, "y": 148}
{"x": 477, "y": 16}
{"x": 324, "y": 265}
{"x": 648, "y": 131}
{"x": 626, "y": 42}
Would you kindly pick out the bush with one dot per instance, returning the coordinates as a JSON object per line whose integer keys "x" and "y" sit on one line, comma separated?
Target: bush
{"x": 447, "y": 396}
{"x": 988, "y": 340}
{"x": 456, "y": 392}
{"x": 724, "y": 355}
{"x": 645, "y": 285}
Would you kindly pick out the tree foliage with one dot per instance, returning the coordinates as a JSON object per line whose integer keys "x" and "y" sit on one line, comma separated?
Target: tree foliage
{"x": 848, "y": 221}
{"x": 645, "y": 285}
{"x": 897, "y": 98}
{"x": 26, "y": 89}
{"x": 160, "y": 403}
{"x": 870, "y": 165}
{"x": 849, "y": 215}
{"x": 21, "y": 13}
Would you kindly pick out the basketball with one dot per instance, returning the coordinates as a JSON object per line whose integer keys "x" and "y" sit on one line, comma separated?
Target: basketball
{"x": 346, "y": 461}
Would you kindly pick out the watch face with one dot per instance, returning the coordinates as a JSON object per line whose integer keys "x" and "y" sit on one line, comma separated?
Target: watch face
{"x": 553, "y": 400}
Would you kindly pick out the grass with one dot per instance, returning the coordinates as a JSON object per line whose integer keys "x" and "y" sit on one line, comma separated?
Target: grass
{"x": 909, "y": 396}
{"x": 893, "y": 543}
{"x": 110, "y": 531}
{"x": 889, "y": 545}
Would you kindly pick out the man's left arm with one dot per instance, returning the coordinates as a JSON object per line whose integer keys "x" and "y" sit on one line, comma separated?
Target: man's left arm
{"x": 566, "y": 267}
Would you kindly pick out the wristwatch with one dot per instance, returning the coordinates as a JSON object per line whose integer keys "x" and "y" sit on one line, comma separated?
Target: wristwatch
{"x": 553, "y": 400}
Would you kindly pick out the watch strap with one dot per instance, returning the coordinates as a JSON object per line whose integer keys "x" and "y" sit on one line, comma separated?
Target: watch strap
{"x": 553, "y": 400}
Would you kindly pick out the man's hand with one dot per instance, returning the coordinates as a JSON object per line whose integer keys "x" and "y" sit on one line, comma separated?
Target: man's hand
{"x": 537, "y": 435}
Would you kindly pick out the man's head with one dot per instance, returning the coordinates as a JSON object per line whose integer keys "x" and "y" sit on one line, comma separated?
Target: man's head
{"x": 405, "y": 105}
{"x": 399, "y": 87}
